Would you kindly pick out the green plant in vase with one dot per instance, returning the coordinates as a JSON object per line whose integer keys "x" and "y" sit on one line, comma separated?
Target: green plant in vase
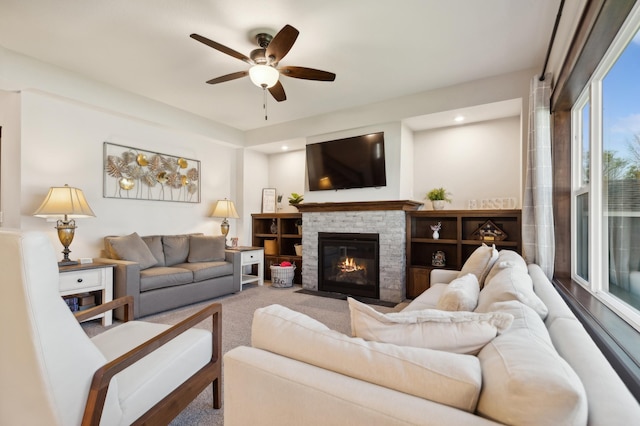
{"x": 295, "y": 199}
{"x": 438, "y": 196}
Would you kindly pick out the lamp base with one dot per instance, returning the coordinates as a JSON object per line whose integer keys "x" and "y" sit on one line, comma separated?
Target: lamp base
{"x": 67, "y": 262}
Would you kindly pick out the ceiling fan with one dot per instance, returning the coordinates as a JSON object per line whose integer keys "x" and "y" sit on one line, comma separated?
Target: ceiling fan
{"x": 264, "y": 71}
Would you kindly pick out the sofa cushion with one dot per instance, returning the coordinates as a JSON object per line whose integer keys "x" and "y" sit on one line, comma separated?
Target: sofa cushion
{"x": 428, "y": 299}
{"x": 163, "y": 276}
{"x": 460, "y": 295}
{"x": 528, "y": 382}
{"x": 206, "y": 248}
{"x": 506, "y": 259}
{"x": 480, "y": 262}
{"x": 132, "y": 248}
{"x": 208, "y": 270}
{"x": 459, "y": 332}
{"x": 510, "y": 282}
{"x": 154, "y": 242}
{"x": 176, "y": 249}
{"x": 447, "y": 378}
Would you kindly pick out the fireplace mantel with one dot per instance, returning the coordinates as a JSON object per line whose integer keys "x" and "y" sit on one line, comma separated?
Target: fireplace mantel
{"x": 406, "y": 205}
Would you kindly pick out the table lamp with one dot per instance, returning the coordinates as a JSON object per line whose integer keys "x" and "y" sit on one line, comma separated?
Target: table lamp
{"x": 225, "y": 209}
{"x": 65, "y": 204}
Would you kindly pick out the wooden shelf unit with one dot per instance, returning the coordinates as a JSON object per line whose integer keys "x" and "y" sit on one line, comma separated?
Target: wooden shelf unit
{"x": 285, "y": 239}
{"x": 455, "y": 240}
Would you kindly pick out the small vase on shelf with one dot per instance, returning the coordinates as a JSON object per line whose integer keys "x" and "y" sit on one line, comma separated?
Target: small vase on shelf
{"x": 274, "y": 227}
{"x": 436, "y": 230}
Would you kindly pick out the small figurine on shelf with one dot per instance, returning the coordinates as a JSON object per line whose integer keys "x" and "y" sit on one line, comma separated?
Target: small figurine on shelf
{"x": 436, "y": 229}
{"x": 274, "y": 227}
{"x": 438, "y": 259}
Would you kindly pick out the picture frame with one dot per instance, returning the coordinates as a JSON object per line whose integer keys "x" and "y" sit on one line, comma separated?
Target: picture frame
{"x": 268, "y": 200}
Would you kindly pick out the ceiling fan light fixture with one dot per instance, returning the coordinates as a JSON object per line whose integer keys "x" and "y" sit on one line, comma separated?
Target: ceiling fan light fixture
{"x": 264, "y": 76}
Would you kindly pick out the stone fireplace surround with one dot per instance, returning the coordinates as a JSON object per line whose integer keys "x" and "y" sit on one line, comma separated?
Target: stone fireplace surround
{"x": 386, "y": 218}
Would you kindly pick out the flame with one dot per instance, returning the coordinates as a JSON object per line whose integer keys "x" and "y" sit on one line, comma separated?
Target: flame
{"x": 349, "y": 265}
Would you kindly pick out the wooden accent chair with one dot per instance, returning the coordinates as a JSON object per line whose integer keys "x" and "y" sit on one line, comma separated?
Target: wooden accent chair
{"x": 51, "y": 372}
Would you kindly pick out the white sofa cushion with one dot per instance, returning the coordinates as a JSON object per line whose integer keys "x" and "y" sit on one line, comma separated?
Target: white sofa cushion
{"x": 460, "y": 295}
{"x": 527, "y": 382}
{"x": 447, "y": 378}
{"x": 459, "y": 332}
{"x": 510, "y": 280}
{"x": 480, "y": 262}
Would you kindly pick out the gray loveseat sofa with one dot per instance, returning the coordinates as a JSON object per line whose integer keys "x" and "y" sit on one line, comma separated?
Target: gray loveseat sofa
{"x": 164, "y": 272}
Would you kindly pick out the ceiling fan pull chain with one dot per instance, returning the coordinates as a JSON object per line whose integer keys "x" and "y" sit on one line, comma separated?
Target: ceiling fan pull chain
{"x": 264, "y": 102}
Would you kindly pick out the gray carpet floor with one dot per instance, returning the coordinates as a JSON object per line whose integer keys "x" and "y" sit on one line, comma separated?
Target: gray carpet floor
{"x": 237, "y": 314}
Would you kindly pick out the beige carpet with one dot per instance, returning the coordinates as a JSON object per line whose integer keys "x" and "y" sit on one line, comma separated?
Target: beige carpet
{"x": 237, "y": 314}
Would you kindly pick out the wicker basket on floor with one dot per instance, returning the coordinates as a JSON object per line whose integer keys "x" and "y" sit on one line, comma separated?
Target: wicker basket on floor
{"x": 282, "y": 276}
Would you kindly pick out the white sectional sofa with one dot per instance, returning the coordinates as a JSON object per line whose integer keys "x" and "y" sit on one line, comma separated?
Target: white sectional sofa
{"x": 537, "y": 367}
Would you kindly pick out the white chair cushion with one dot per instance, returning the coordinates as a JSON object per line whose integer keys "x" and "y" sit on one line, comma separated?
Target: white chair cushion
{"x": 443, "y": 377}
{"x": 459, "y": 332}
{"x": 460, "y": 295}
{"x": 149, "y": 380}
{"x": 428, "y": 299}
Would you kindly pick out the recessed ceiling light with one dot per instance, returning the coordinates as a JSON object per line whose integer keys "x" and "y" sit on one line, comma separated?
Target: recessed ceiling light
{"x": 458, "y": 119}
{"x": 284, "y": 147}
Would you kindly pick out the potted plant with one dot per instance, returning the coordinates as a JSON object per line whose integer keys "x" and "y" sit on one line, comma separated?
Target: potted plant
{"x": 295, "y": 199}
{"x": 438, "y": 197}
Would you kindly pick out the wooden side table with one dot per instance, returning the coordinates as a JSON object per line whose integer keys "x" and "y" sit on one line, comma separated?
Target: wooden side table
{"x": 89, "y": 278}
{"x": 251, "y": 256}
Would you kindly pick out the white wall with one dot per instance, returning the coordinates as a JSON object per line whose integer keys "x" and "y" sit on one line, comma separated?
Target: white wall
{"x": 287, "y": 174}
{"x": 62, "y": 143}
{"x": 10, "y": 159}
{"x": 474, "y": 161}
{"x": 255, "y": 175}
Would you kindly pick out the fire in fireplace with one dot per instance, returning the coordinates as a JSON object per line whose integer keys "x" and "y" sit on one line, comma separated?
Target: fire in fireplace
{"x": 348, "y": 263}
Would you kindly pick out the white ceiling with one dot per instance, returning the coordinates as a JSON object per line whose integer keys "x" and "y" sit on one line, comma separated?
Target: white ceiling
{"x": 379, "y": 49}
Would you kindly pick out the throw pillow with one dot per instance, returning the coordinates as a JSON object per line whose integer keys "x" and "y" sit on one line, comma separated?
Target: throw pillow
{"x": 446, "y": 378}
{"x": 480, "y": 262}
{"x": 176, "y": 249}
{"x": 460, "y": 295}
{"x": 132, "y": 248}
{"x": 205, "y": 248}
{"x": 459, "y": 332}
{"x": 154, "y": 242}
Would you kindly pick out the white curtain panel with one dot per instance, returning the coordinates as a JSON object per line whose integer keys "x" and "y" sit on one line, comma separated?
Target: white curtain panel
{"x": 537, "y": 209}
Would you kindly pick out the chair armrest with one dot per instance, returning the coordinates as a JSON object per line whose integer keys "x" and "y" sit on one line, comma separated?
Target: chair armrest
{"x": 443, "y": 276}
{"x": 126, "y": 301}
{"x": 103, "y": 376}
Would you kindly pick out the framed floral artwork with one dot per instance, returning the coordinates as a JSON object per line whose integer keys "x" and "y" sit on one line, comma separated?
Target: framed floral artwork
{"x": 137, "y": 174}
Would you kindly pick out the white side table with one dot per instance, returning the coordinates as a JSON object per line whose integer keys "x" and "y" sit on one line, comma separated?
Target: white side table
{"x": 90, "y": 277}
{"x": 251, "y": 256}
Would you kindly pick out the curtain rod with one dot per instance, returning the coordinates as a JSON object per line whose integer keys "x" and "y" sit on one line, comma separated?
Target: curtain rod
{"x": 553, "y": 37}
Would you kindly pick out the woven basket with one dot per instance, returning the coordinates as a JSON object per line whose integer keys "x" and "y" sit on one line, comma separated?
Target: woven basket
{"x": 282, "y": 276}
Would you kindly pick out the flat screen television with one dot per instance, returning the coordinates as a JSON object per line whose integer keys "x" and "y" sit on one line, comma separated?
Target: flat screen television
{"x": 355, "y": 162}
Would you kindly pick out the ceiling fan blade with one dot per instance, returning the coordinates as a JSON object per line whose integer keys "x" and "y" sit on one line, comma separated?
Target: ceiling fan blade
{"x": 228, "y": 77}
{"x": 222, "y": 48}
{"x": 307, "y": 73}
{"x": 277, "y": 91}
{"x": 281, "y": 43}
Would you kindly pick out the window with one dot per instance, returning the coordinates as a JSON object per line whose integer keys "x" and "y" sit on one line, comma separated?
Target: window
{"x": 606, "y": 177}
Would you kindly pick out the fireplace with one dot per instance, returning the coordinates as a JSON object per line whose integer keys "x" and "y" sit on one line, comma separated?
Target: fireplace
{"x": 348, "y": 263}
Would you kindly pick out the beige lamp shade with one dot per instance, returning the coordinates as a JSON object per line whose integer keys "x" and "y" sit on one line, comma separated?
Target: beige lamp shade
{"x": 64, "y": 202}
{"x": 225, "y": 208}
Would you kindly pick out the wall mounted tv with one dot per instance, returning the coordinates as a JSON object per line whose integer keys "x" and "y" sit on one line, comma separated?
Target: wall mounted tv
{"x": 355, "y": 162}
